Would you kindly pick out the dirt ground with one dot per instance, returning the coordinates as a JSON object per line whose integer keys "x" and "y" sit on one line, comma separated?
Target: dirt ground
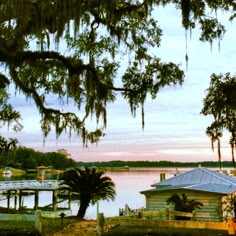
{"x": 81, "y": 228}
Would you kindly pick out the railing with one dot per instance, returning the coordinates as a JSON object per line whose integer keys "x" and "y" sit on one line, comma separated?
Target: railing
{"x": 29, "y": 184}
{"x": 228, "y": 226}
{"x": 169, "y": 215}
{"x": 165, "y": 214}
{"x": 25, "y": 217}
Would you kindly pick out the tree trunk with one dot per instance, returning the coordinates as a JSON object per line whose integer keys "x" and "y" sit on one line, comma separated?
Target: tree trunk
{"x": 84, "y": 203}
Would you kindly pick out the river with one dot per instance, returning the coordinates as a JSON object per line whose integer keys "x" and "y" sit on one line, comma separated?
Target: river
{"x": 128, "y": 186}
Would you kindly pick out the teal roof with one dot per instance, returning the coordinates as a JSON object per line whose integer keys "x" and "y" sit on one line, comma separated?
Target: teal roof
{"x": 199, "y": 179}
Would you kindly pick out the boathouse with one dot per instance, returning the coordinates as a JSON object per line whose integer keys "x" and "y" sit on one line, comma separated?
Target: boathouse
{"x": 215, "y": 190}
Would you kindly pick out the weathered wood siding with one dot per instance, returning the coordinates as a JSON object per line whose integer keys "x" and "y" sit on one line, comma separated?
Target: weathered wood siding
{"x": 211, "y": 211}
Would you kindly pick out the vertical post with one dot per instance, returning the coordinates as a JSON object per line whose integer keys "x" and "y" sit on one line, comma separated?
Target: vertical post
{"x": 97, "y": 209}
{"x": 36, "y": 199}
{"x": 20, "y": 199}
{"x": 54, "y": 200}
{"x": 126, "y": 209}
{"x": 167, "y": 214}
{"x": 231, "y": 230}
{"x": 8, "y": 199}
{"x": 15, "y": 202}
{"x": 121, "y": 212}
{"x": 162, "y": 176}
{"x": 38, "y": 222}
{"x": 100, "y": 224}
{"x": 69, "y": 200}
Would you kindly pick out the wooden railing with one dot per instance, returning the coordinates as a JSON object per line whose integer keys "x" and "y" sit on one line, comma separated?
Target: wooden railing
{"x": 165, "y": 214}
{"x": 228, "y": 226}
{"x": 29, "y": 184}
{"x": 166, "y": 219}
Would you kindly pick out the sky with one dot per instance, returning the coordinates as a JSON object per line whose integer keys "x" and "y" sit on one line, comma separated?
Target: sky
{"x": 174, "y": 128}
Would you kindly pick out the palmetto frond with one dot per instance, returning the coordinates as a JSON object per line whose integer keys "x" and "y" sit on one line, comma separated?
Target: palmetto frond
{"x": 90, "y": 184}
{"x": 183, "y": 203}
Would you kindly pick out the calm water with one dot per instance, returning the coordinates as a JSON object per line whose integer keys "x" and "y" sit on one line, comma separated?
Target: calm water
{"x": 128, "y": 187}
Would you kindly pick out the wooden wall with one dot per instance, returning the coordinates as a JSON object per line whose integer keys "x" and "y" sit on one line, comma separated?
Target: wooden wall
{"x": 211, "y": 211}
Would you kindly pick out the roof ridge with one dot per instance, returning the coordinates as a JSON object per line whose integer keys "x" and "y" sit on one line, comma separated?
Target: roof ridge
{"x": 205, "y": 170}
{"x": 193, "y": 185}
{"x": 215, "y": 175}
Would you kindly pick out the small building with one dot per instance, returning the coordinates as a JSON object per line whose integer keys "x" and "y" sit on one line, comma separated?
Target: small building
{"x": 215, "y": 190}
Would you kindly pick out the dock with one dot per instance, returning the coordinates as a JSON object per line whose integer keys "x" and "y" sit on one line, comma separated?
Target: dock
{"x": 18, "y": 189}
{"x": 29, "y": 185}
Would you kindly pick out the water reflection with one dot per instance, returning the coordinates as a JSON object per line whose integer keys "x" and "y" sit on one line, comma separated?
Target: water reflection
{"x": 128, "y": 187}
{"x": 31, "y": 176}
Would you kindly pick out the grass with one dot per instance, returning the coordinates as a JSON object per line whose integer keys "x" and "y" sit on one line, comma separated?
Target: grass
{"x": 49, "y": 226}
{"x": 146, "y": 231}
{"x": 53, "y": 225}
{"x": 21, "y": 227}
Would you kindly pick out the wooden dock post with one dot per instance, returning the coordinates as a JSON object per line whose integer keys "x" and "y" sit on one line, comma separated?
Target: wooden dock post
{"x": 8, "y": 198}
{"x": 54, "y": 199}
{"x": 15, "y": 199}
{"x": 36, "y": 199}
{"x": 69, "y": 200}
{"x": 20, "y": 199}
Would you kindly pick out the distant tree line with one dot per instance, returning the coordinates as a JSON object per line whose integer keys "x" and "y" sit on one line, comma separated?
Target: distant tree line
{"x": 118, "y": 163}
{"x": 27, "y": 158}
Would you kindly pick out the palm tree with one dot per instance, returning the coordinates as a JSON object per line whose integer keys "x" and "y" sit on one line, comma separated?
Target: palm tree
{"x": 90, "y": 184}
{"x": 183, "y": 204}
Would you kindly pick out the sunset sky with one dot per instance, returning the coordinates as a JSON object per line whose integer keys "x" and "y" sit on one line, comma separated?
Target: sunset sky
{"x": 174, "y": 129}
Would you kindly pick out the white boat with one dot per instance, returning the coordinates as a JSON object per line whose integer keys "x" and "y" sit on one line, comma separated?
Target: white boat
{"x": 7, "y": 171}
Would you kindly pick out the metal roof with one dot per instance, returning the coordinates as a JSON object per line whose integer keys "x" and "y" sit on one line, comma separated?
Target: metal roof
{"x": 213, "y": 188}
{"x": 210, "y": 188}
{"x": 199, "y": 179}
{"x": 199, "y": 175}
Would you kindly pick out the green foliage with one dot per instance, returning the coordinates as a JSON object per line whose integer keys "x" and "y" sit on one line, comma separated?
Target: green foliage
{"x": 27, "y": 158}
{"x": 9, "y": 117}
{"x": 109, "y": 47}
{"x": 220, "y": 103}
{"x": 7, "y": 147}
{"x": 183, "y": 204}
{"x": 90, "y": 184}
{"x": 168, "y": 164}
{"x": 228, "y": 207}
{"x": 7, "y": 113}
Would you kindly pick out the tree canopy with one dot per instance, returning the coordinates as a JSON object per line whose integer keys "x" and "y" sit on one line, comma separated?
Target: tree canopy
{"x": 27, "y": 158}
{"x": 10, "y": 118}
{"x": 220, "y": 103}
{"x": 86, "y": 52}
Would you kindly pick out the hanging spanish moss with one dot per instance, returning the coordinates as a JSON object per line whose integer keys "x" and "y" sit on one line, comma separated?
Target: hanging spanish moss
{"x": 91, "y": 33}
